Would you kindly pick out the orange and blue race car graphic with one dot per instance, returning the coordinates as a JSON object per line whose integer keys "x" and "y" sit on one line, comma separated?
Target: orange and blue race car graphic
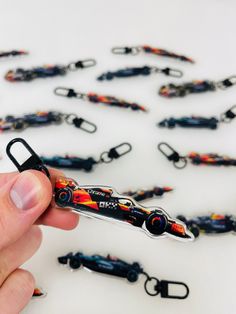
{"x": 105, "y": 202}
{"x": 210, "y": 224}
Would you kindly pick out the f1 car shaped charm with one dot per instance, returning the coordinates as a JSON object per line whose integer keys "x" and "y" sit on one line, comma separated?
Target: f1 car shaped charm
{"x": 138, "y": 71}
{"x": 190, "y": 122}
{"x": 200, "y": 122}
{"x": 211, "y": 224}
{"x": 105, "y": 202}
{"x": 116, "y": 267}
{"x": 106, "y": 265}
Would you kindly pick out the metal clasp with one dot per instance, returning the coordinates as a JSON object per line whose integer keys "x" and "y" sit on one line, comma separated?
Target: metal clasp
{"x": 81, "y": 123}
{"x": 171, "y": 72}
{"x": 125, "y": 50}
{"x": 162, "y": 287}
{"x": 179, "y": 162}
{"x": 68, "y": 92}
{"x": 33, "y": 162}
{"x": 73, "y": 66}
{"x": 115, "y": 152}
{"x": 228, "y": 115}
{"x": 230, "y": 81}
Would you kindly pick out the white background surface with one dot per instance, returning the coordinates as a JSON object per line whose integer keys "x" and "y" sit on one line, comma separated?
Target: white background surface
{"x": 64, "y": 31}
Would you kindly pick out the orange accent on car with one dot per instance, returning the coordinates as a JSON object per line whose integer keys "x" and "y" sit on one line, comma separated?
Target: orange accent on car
{"x": 177, "y": 228}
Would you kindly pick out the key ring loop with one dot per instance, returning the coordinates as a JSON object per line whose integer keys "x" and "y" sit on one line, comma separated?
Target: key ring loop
{"x": 68, "y": 92}
{"x": 126, "y": 50}
{"x": 147, "y": 289}
{"x": 73, "y": 66}
{"x": 171, "y": 72}
{"x": 229, "y": 115}
{"x": 70, "y": 117}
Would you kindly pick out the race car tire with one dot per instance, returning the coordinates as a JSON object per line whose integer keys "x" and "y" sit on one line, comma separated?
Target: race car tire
{"x": 156, "y": 223}
{"x": 132, "y": 276}
{"x": 75, "y": 263}
{"x": 63, "y": 197}
{"x": 195, "y": 230}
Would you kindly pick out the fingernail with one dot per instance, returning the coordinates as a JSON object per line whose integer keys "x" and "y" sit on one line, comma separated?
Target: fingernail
{"x": 25, "y": 192}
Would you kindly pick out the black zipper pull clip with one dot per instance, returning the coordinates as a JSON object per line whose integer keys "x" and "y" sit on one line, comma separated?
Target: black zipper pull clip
{"x": 81, "y": 64}
{"x": 228, "y": 82}
{"x": 33, "y": 162}
{"x": 68, "y": 92}
{"x": 179, "y": 162}
{"x": 81, "y": 123}
{"x": 162, "y": 287}
{"x": 115, "y": 152}
{"x": 125, "y": 50}
{"x": 228, "y": 115}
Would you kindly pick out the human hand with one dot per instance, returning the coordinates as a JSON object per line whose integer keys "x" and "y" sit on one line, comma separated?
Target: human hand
{"x": 24, "y": 202}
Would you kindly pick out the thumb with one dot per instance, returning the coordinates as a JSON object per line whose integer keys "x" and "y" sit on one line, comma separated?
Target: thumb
{"x": 22, "y": 200}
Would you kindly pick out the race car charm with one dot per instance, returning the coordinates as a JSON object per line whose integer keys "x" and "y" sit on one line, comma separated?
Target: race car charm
{"x": 211, "y": 224}
{"x": 99, "y": 99}
{"x": 104, "y": 203}
{"x": 180, "y": 161}
{"x": 195, "y": 87}
{"x": 12, "y": 53}
{"x": 150, "y": 50}
{"x": 45, "y": 71}
{"x": 199, "y": 122}
{"x": 145, "y": 194}
{"x": 87, "y": 164}
{"x": 139, "y": 71}
{"x": 116, "y": 267}
{"x": 44, "y": 118}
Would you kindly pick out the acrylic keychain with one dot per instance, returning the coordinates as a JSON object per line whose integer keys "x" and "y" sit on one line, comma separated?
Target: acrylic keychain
{"x": 12, "y": 53}
{"x": 145, "y": 194}
{"x": 44, "y": 118}
{"x": 195, "y": 87}
{"x": 104, "y": 202}
{"x": 210, "y": 224}
{"x": 139, "y": 71}
{"x": 134, "y": 50}
{"x": 95, "y": 98}
{"x": 114, "y": 266}
{"x": 199, "y": 122}
{"x": 22, "y": 75}
{"x": 180, "y": 161}
{"x": 87, "y": 164}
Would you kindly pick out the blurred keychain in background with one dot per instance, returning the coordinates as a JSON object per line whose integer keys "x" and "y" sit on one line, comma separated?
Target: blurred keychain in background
{"x": 95, "y": 98}
{"x": 22, "y": 75}
{"x": 199, "y": 122}
{"x": 195, "y": 87}
{"x": 134, "y": 50}
{"x": 114, "y": 266}
{"x": 13, "y": 53}
{"x": 44, "y": 118}
{"x": 180, "y": 161}
{"x": 87, "y": 164}
{"x": 104, "y": 202}
{"x": 145, "y": 194}
{"x": 210, "y": 224}
{"x": 137, "y": 71}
